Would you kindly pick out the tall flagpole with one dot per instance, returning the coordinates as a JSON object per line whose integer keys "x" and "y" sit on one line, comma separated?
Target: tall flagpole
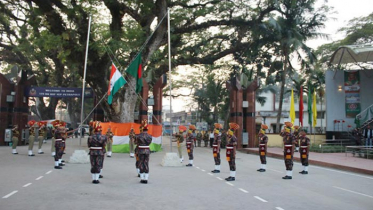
{"x": 85, "y": 72}
{"x": 169, "y": 68}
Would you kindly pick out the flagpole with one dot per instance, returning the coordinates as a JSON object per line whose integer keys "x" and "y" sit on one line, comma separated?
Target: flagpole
{"x": 83, "y": 89}
{"x": 169, "y": 68}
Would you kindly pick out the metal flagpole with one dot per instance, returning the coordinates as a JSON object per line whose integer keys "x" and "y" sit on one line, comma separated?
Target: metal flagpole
{"x": 85, "y": 71}
{"x": 169, "y": 68}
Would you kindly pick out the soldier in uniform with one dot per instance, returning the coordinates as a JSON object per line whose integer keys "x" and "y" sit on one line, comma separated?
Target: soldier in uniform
{"x": 143, "y": 141}
{"x": 289, "y": 142}
{"x": 54, "y": 129}
{"x": 96, "y": 143}
{"x": 190, "y": 145}
{"x": 263, "y": 140}
{"x": 216, "y": 147}
{"x": 15, "y": 136}
{"x": 109, "y": 136}
{"x": 205, "y": 138}
{"x": 42, "y": 132}
{"x": 132, "y": 136}
{"x": 231, "y": 151}
{"x": 179, "y": 140}
{"x": 132, "y": 144}
{"x": 296, "y": 136}
{"x": 60, "y": 137}
{"x": 304, "y": 151}
{"x": 199, "y": 138}
{"x": 33, "y": 126}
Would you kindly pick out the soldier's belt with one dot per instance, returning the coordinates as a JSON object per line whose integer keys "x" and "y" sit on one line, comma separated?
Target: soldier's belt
{"x": 262, "y": 144}
{"x": 214, "y": 145}
{"x": 229, "y": 147}
{"x": 143, "y": 147}
{"x": 189, "y": 143}
{"x": 94, "y": 148}
{"x": 58, "y": 139}
{"x": 303, "y": 146}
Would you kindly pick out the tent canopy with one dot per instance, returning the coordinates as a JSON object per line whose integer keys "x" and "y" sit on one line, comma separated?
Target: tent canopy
{"x": 352, "y": 54}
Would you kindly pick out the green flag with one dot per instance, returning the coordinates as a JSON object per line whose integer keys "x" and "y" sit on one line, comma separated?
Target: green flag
{"x": 135, "y": 70}
{"x": 309, "y": 103}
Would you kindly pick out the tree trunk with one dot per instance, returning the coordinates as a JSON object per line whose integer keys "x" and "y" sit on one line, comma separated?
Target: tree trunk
{"x": 283, "y": 80}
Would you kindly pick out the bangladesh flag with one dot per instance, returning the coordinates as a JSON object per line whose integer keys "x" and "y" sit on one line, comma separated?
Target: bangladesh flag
{"x": 135, "y": 70}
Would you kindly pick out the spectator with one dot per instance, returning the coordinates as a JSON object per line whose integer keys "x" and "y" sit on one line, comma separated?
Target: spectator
{"x": 83, "y": 132}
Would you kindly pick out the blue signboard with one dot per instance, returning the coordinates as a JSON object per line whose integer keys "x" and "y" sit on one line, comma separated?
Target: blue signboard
{"x": 58, "y": 92}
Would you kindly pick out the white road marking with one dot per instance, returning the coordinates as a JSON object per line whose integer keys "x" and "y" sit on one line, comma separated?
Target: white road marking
{"x": 48, "y": 172}
{"x": 243, "y": 190}
{"x": 353, "y": 192}
{"x": 210, "y": 174}
{"x": 203, "y": 170}
{"x": 197, "y": 167}
{"x": 279, "y": 208}
{"x": 276, "y": 171}
{"x": 261, "y": 199}
{"x": 28, "y": 184}
{"x": 39, "y": 178}
{"x": 219, "y": 178}
{"x": 10, "y": 194}
{"x": 228, "y": 183}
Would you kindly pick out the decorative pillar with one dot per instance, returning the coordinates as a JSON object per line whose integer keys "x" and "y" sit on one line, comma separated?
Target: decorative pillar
{"x": 235, "y": 107}
{"x": 250, "y": 112}
{"x": 5, "y": 89}
{"x": 143, "y": 110}
{"x": 158, "y": 95}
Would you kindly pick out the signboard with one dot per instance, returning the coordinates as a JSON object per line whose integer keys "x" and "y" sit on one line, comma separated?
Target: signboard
{"x": 352, "y": 93}
{"x": 58, "y": 92}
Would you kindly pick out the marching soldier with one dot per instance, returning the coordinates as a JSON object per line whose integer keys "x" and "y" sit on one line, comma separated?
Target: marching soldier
{"x": 296, "y": 136}
{"x": 15, "y": 136}
{"x": 33, "y": 126}
{"x": 263, "y": 140}
{"x": 60, "y": 137}
{"x": 289, "y": 142}
{"x": 132, "y": 143}
{"x": 42, "y": 132}
{"x": 179, "y": 140}
{"x": 304, "y": 150}
{"x": 54, "y": 129}
{"x": 190, "y": 145}
{"x": 132, "y": 136}
{"x": 216, "y": 147}
{"x": 109, "y": 136}
{"x": 231, "y": 151}
{"x": 205, "y": 138}
{"x": 143, "y": 141}
{"x": 96, "y": 143}
{"x": 199, "y": 138}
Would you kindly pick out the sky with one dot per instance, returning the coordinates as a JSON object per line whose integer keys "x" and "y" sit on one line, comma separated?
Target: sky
{"x": 345, "y": 10}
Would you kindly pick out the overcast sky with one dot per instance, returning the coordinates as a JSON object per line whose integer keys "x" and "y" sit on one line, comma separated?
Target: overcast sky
{"x": 345, "y": 11}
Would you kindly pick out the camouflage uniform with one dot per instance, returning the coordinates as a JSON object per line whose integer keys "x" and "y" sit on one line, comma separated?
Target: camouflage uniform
{"x": 190, "y": 147}
{"x": 59, "y": 145}
{"x": 216, "y": 152}
{"x": 289, "y": 142}
{"x": 263, "y": 140}
{"x": 304, "y": 152}
{"x": 231, "y": 153}
{"x": 143, "y": 142}
{"x": 96, "y": 144}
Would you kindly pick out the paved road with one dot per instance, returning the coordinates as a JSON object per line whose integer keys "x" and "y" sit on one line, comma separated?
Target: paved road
{"x": 32, "y": 183}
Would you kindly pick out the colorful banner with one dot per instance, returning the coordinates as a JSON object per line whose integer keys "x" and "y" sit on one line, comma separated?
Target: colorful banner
{"x": 352, "y": 93}
{"x": 121, "y": 135}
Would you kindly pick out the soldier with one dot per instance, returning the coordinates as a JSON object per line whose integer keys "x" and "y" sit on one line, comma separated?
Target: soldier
{"x": 109, "y": 136}
{"x": 143, "y": 141}
{"x": 216, "y": 147}
{"x": 289, "y": 142}
{"x": 60, "y": 137}
{"x": 296, "y": 136}
{"x": 189, "y": 144}
{"x": 15, "y": 136}
{"x": 205, "y": 138}
{"x": 304, "y": 150}
{"x": 96, "y": 143}
{"x": 132, "y": 144}
{"x": 33, "y": 126}
{"x": 179, "y": 140}
{"x": 42, "y": 132}
{"x": 231, "y": 151}
{"x": 263, "y": 140}
{"x": 199, "y": 138}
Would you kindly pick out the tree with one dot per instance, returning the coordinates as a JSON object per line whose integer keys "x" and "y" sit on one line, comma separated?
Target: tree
{"x": 297, "y": 22}
{"x": 48, "y": 39}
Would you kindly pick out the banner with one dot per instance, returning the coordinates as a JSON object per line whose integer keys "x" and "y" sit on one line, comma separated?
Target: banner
{"x": 58, "y": 92}
{"x": 352, "y": 93}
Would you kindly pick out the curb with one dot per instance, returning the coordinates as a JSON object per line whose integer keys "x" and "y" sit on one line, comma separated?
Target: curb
{"x": 314, "y": 162}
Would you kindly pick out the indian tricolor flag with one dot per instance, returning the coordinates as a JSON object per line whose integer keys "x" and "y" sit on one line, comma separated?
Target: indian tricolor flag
{"x": 121, "y": 135}
{"x": 116, "y": 82}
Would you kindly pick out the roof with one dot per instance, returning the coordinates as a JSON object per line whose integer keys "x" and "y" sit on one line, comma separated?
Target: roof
{"x": 352, "y": 54}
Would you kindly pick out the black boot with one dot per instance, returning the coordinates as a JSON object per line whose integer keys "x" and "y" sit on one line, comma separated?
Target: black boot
{"x": 287, "y": 177}
{"x": 57, "y": 167}
{"x": 230, "y": 179}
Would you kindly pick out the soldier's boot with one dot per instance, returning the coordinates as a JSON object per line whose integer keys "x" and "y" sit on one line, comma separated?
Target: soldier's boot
{"x": 232, "y": 176}
{"x": 99, "y": 175}
{"x": 30, "y": 153}
{"x": 56, "y": 165}
{"x": 146, "y": 178}
{"x": 93, "y": 178}
{"x": 217, "y": 169}
{"x": 138, "y": 172}
{"x": 14, "y": 152}
{"x": 288, "y": 175}
{"x": 305, "y": 170}
{"x": 190, "y": 163}
{"x": 132, "y": 155}
{"x": 60, "y": 162}
{"x": 40, "y": 151}
{"x": 142, "y": 177}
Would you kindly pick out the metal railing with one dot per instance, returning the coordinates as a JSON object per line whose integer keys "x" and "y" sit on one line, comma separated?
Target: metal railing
{"x": 368, "y": 115}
